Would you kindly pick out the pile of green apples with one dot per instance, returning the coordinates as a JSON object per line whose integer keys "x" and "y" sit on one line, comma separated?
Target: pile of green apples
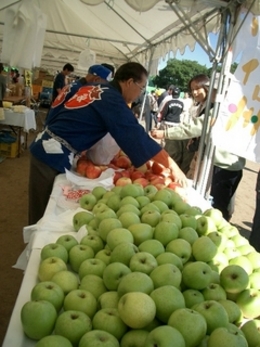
{"x": 152, "y": 271}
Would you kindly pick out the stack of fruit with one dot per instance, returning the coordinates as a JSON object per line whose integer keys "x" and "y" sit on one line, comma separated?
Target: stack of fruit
{"x": 152, "y": 271}
{"x": 125, "y": 173}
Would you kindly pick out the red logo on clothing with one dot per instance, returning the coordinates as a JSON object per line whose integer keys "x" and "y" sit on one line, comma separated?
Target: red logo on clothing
{"x": 84, "y": 96}
{"x": 61, "y": 97}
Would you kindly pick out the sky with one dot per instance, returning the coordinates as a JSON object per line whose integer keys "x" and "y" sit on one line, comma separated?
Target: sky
{"x": 198, "y": 54}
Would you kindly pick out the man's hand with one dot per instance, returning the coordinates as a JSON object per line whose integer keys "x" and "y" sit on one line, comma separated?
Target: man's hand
{"x": 157, "y": 134}
{"x": 178, "y": 176}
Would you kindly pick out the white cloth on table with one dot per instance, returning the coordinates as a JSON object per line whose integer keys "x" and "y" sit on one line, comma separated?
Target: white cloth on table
{"x": 24, "y": 120}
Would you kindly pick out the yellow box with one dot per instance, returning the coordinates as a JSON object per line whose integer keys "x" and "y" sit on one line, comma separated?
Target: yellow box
{"x": 9, "y": 150}
{"x": 48, "y": 84}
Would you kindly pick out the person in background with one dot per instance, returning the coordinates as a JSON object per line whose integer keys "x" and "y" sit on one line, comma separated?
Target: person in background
{"x": 154, "y": 106}
{"x": 92, "y": 112}
{"x": 254, "y": 238}
{"x": 2, "y": 85}
{"x": 111, "y": 68}
{"x": 143, "y": 111}
{"x": 60, "y": 80}
{"x": 228, "y": 167}
{"x": 165, "y": 94}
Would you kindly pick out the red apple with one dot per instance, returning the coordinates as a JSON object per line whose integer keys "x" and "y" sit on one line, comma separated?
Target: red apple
{"x": 93, "y": 171}
{"x": 117, "y": 175}
{"x": 157, "y": 168}
{"x": 125, "y": 173}
{"x": 122, "y": 162}
{"x": 158, "y": 180}
{"x": 160, "y": 186}
{"x": 137, "y": 174}
{"x": 173, "y": 185}
{"x": 123, "y": 181}
{"x": 82, "y": 164}
{"x": 142, "y": 181}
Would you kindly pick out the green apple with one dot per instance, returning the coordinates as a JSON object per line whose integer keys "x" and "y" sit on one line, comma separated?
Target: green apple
{"x": 249, "y": 303}
{"x": 194, "y": 211}
{"x": 88, "y": 201}
{"x": 67, "y": 241}
{"x": 245, "y": 249}
{"x": 128, "y": 218}
{"x": 106, "y": 225}
{"x": 219, "y": 262}
{"x": 92, "y": 266}
{"x": 239, "y": 240}
{"x": 38, "y": 318}
{"x": 234, "y": 279}
{"x": 188, "y": 221}
{"x": 93, "y": 241}
{"x": 150, "y": 190}
{"x": 166, "y": 274}
{"x": 48, "y": 291}
{"x": 93, "y": 224}
{"x": 215, "y": 277}
{"x": 108, "y": 300}
{"x": 234, "y": 313}
{"x": 78, "y": 254}
{"x": 164, "y": 336}
{"x": 130, "y": 200}
{"x": 167, "y": 299}
{"x": 116, "y": 189}
{"x": 181, "y": 248}
{"x": 107, "y": 213}
{"x": 196, "y": 275}
{"x": 131, "y": 190}
{"x": 143, "y": 307}
{"x": 163, "y": 195}
{"x": 94, "y": 284}
{"x": 191, "y": 324}
{"x": 171, "y": 216}
{"x": 254, "y": 258}
{"x": 143, "y": 262}
{"x": 104, "y": 255}
{"x": 224, "y": 338}
{"x": 49, "y": 266}
{"x": 134, "y": 338}
{"x": 251, "y": 330}
{"x": 67, "y": 280}
{"x": 204, "y": 342}
{"x": 98, "y": 338}
{"x": 117, "y": 236}
{"x": 214, "y": 313}
{"x": 149, "y": 207}
{"x": 192, "y": 297}
{"x": 54, "y": 341}
{"x": 81, "y": 218}
{"x": 254, "y": 280}
{"x": 135, "y": 282}
{"x": 114, "y": 202}
{"x": 188, "y": 234}
{"x": 203, "y": 249}
{"x": 153, "y": 247}
{"x": 215, "y": 215}
{"x": 231, "y": 252}
{"x": 142, "y": 201}
{"x": 141, "y": 232}
{"x": 205, "y": 225}
{"x": 219, "y": 239}
{"x": 123, "y": 253}
{"x": 242, "y": 261}
{"x": 99, "y": 207}
{"x": 161, "y": 205}
{"x": 99, "y": 192}
{"x": 151, "y": 217}
{"x": 54, "y": 250}
{"x": 73, "y": 325}
{"x": 214, "y": 292}
{"x": 166, "y": 232}
{"x": 107, "y": 195}
{"x": 128, "y": 208}
{"x": 180, "y": 207}
{"x": 169, "y": 258}
{"x": 113, "y": 274}
{"x": 108, "y": 319}
{"x": 81, "y": 300}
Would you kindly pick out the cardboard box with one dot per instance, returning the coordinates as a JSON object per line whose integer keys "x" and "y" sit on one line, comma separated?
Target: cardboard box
{"x": 9, "y": 150}
{"x": 48, "y": 84}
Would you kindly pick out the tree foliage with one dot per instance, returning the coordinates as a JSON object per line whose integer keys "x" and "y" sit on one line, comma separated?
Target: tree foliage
{"x": 179, "y": 73}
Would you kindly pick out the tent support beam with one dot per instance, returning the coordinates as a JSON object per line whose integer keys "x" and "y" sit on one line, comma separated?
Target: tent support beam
{"x": 14, "y": 3}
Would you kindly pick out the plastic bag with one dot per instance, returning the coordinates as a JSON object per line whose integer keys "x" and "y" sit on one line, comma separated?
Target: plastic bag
{"x": 103, "y": 151}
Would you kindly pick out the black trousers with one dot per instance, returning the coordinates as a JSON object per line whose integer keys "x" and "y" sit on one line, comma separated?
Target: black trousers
{"x": 254, "y": 238}
{"x": 223, "y": 187}
{"x": 41, "y": 179}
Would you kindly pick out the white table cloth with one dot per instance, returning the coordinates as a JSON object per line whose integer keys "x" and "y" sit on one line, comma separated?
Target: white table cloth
{"x": 25, "y": 120}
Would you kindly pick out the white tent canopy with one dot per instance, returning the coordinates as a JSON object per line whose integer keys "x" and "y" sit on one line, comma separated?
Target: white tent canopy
{"x": 122, "y": 30}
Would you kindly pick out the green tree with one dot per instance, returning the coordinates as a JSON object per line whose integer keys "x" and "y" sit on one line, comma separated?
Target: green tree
{"x": 179, "y": 73}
